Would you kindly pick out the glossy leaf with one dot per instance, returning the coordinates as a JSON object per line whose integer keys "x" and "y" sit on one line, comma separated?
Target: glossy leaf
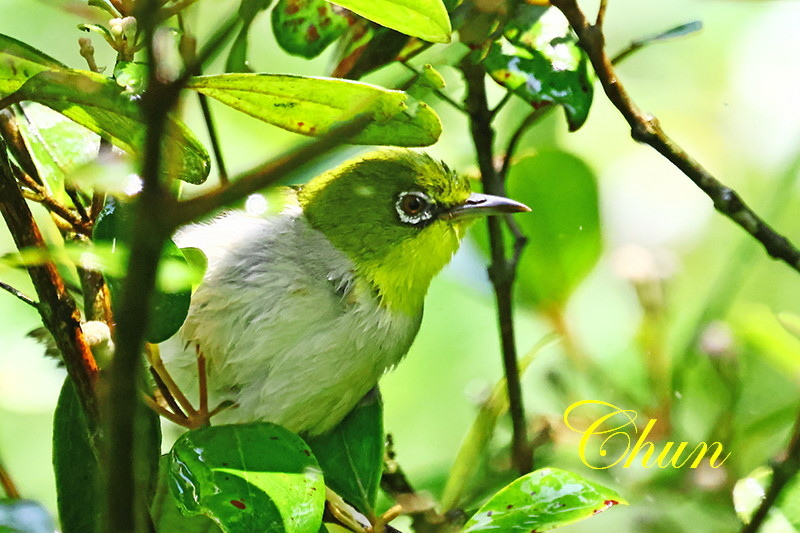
{"x": 75, "y": 465}
{"x": 237, "y": 57}
{"x": 248, "y": 477}
{"x": 105, "y": 108}
{"x": 312, "y": 106}
{"x": 545, "y": 499}
{"x": 57, "y": 145}
{"x": 171, "y": 301}
{"x": 563, "y": 229}
{"x": 306, "y": 27}
{"x": 351, "y": 455}
{"x": 426, "y": 19}
{"x": 131, "y": 76}
{"x": 19, "y": 62}
{"x": 166, "y": 514}
{"x": 541, "y": 62}
{"x": 783, "y": 516}
{"x": 24, "y": 516}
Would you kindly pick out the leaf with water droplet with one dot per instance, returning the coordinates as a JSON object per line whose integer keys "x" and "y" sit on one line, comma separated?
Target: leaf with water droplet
{"x": 248, "y": 477}
{"x": 545, "y": 499}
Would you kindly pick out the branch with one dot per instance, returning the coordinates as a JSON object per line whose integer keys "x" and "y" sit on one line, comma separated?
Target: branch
{"x": 18, "y": 294}
{"x": 782, "y": 473}
{"x": 56, "y": 307}
{"x": 501, "y": 271}
{"x": 646, "y": 129}
{"x": 8, "y": 484}
{"x": 267, "y": 174}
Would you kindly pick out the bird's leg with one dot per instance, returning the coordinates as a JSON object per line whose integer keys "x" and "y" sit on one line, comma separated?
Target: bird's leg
{"x": 171, "y": 403}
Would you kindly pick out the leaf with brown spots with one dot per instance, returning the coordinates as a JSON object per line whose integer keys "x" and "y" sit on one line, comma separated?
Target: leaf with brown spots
{"x": 306, "y": 27}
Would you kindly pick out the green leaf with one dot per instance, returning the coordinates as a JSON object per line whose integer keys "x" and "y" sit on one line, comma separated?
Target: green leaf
{"x": 24, "y": 516}
{"x": 790, "y": 322}
{"x": 351, "y": 455}
{"x": 131, "y": 76}
{"x": 563, "y": 230}
{"x": 75, "y": 465}
{"x": 541, "y": 62}
{"x": 545, "y": 499}
{"x": 312, "y": 106}
{"x": 172, "y": 298}
{"x": 57, "y": 145}
{"x": 306, "y": 27}
{"x": 104, "y": 107}
{"x": 783, "y": 516}
{"x": 250, "y": 477}
{"x": 167, "y": 516}
{"x": 426, "y": 19}
{"x": 19, "y": 62}
{"x": 237, "y": 57}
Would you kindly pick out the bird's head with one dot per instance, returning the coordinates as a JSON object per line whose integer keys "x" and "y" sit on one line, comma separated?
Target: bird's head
{"x": 400, "y": 216}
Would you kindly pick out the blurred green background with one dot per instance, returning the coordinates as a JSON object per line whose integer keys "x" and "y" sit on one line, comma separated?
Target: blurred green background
{"x": 729, "y": 96}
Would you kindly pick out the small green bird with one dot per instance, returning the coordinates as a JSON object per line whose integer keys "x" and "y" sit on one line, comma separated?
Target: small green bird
{"x": 300, "y": 314}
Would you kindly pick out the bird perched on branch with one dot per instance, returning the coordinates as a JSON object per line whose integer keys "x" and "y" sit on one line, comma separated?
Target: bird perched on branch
{"x": 300, "y": 314}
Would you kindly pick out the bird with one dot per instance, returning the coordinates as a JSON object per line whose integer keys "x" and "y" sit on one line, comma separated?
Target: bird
{"x": 299, "y": 314}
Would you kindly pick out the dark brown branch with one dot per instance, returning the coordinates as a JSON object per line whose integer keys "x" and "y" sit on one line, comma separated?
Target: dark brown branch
{"x": 28, "y": 300}
{"x": 56, "y": 307}
{"x": 501, "y": 271}
{"x": 646, "y": 129}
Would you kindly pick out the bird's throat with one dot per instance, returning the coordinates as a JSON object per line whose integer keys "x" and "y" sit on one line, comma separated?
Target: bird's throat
{"x": 402, "y": 276}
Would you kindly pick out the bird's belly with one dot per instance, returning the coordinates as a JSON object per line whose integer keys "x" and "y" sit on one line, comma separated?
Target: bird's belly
{"x": 303, "y": 367}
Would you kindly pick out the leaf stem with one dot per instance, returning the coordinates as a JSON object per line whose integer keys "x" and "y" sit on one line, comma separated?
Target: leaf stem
{"x": 501, "y": 271}
{"x": 8, "y": 484}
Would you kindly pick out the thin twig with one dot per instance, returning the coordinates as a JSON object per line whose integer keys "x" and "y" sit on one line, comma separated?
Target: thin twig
{"x": 501, "y": 272}
{"x": 269, "y": 173}
{"x": 43, "y": 196}
{"x": 8, "y": 484}
{"x": 513, "y": 142}
{"x": 437, "y": 92}
{"x": 28, "y": 300}
{"x": 216, "y": 148}
{"x": 646, "y": 129}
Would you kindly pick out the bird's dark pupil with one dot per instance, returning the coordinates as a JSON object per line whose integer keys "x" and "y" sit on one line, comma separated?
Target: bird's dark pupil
{"x": 413, "y": 204}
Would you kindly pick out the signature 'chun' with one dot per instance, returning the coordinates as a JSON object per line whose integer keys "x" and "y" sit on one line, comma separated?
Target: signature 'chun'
{"x": 615, "y": 434}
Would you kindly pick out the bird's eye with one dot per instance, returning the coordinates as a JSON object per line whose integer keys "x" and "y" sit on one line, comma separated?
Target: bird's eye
{"x": 413, "y": 207}
{"x": 411, "y": 204}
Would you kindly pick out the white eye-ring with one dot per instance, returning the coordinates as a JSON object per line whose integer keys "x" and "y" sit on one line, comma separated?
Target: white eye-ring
{"x": 414, "y": 207}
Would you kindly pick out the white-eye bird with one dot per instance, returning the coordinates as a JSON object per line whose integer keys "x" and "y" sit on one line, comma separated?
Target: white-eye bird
{"x": 300, "y": 314}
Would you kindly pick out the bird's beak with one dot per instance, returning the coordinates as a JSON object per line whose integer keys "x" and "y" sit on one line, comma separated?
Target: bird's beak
{"x": 478, "y": 205}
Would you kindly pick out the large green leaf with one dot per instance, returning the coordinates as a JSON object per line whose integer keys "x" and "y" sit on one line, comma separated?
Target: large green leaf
{"x": 166, "y": 514}
{"x": 248, "y": 477}
{"x": 426, "y": 19}
{"x": 18, "y": 62}
{"x": 101, "y": 105}
{"x": 351, "y": 455}
{"x": 539, "y": 60}
{"x": 312, "y": 106}
{"x": 75, "y": 465}
{"x": 783, "y": 516}
{"x": 542, "y": 500}
{"x": 24, "y": 516}
{"x": 563, "y": 230}
{"x": 57, "y": 145}
{"x": 307, "y": 27}
{"x": 171, "y": 301}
